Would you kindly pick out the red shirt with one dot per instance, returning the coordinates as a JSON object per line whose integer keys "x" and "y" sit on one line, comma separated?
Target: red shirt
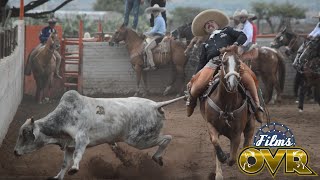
{"x": 255, "y": 32}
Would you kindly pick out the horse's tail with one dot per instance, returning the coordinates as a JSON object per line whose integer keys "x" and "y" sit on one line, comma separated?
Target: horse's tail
{"x": 27, "y": 69}
{"x": 281, "y": 70}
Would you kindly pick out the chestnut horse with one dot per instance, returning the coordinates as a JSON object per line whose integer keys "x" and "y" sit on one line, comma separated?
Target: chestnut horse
{"x": 226, "y": 110}
{"x": 41, "y": 61}
{"x": 175, "y": 56}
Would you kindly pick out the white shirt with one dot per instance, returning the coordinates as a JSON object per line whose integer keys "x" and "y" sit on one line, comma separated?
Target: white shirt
{"x": 248, "y": 31}
{"x": 316, "y": 31}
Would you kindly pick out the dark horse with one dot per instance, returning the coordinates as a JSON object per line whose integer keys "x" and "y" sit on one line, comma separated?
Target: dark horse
{"x": 42, "y": 62}
{"x": 226, "y": 111}
{"x": 292, "y": 41}
{"x": 310, "y": 68}
{"x": 183, "y": 31}
{"x": 174, "y": 55}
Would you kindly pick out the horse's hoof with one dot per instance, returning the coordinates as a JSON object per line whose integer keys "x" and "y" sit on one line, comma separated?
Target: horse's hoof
{"x": 167, "y": 90}
{"x": 158, "y": 160}
{"x": 300, "y": 110}
{"x": 72, "y": 171}
{"x": 136, "y": 94}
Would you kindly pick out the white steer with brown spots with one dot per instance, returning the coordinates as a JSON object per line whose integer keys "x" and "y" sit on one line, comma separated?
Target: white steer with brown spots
{"x": 79, "y": 122}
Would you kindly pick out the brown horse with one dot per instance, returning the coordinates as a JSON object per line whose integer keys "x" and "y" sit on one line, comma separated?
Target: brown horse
{"x": 268, "y": 64}
{"x": 161, "y": 56}
{"x": 226, "y": 111}
{"x": 42, "y": 63}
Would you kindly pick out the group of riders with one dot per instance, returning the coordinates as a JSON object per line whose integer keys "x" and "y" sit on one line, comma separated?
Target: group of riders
{"x": 214, "y": 24}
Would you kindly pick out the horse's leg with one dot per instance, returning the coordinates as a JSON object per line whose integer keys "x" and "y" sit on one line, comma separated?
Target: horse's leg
{"x": 268, "y": 86}
{"x": 171, "y": 82}
{"x": 145, "y": 84}
{"x": 138, "y": 70}
{"x": 248, "y": 132}
{"x": 181, "y": 79}
{"x": 277, "y": 95}
{"x": 302, "y": 93}
{"x": 220, "y": 155}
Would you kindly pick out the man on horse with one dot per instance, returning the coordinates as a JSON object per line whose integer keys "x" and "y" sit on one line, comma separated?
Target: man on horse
{"x": 214, "y": 22}
{"x": 155, "y": 35}
{"x": 44, "y": 35}
{"x": 247, "y": 27}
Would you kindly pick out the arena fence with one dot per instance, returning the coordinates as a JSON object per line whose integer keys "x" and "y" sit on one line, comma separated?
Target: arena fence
{"x": 11, "y": 74}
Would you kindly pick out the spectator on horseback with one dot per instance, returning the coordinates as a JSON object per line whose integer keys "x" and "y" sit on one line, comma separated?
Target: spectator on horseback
{"x": 155, "y": 35}
{"x": 44, "y": 35}
{"x": 251, "y": 18}
{"x": 247, "y": 27}
{"x": 161, "y": 3}
{"x": 236, "y": 21}
{"x": 214, "y": 22}
{"x": 135, "y": 6}
{"x": 316, "y": 31}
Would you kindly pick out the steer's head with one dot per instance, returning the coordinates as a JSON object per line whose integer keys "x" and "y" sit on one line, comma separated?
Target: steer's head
{"x": 28, "y": 139}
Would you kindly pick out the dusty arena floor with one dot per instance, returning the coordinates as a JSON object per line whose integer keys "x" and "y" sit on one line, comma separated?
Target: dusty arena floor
{"x": 189, "y": 155}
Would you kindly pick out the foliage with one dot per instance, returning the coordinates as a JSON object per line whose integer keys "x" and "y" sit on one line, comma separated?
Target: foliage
{"x": 284, "y": 12}
{"x": 109, "y": 5}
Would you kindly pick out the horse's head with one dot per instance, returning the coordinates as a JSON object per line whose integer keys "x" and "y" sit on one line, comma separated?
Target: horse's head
{"x": 53, "y": 41}
{"x": 230, "y": 69}
{"x": 120, "y": 34}
{"x": 309, "y": 50}
{"x": 183, "y": 31}
{"x": 283, "y": 38}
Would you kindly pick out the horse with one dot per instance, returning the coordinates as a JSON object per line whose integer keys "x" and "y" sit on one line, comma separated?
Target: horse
{"x": 268, "y": 64}
{"x": 310, "y": 69}
{"x": 174, "y": 55}
{"x": 292, "y": 41}
{"x": 226, "y": 110}
{"x": 183, "y": 31}
{"x": 41, "y": 61}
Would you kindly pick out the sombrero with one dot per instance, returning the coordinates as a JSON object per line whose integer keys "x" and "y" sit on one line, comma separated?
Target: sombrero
{"x": 236, "y": 15}
{"x": 155, "y": 7}
{"x": 52, "y": 20}
{"x": 317, "y": 16}
{"x": 211, "y": 14}
{"x": 243, "y": 13}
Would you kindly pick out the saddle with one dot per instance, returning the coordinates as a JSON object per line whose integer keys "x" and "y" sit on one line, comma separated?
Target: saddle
{"x": 250, "y": 53}
{"x": 213, "y": 84}
{"x": 162, "y": 48}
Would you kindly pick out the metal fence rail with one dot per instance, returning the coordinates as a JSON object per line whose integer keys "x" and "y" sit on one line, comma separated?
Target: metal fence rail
{"x": 8, "y": 41}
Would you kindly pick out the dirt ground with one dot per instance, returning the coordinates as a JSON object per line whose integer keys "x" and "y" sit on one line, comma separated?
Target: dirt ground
{"x": 189, "y": 155}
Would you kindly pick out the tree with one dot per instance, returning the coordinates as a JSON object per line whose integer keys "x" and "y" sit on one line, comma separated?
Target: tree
{"x": 109, "y": 5}
{"x": 15, "y": 12}
{"x": 183, "y": 15}
{"x": 285, "y": 12}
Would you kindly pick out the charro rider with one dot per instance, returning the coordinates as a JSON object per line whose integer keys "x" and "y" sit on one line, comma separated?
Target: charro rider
{"x": 247, "y": 27}
{"x": 215, "y": 22}
{"x": 155, "y": 34}
{"x": 44, "y": 35}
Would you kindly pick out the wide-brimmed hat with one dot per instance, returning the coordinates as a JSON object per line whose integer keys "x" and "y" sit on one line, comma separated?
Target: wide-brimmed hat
{"x": 243, "y": 13}
{"x": 318, "y": 16}
{"x": 252, "y": 16}
{"x": 236, "y": 15}
{"x": 52, "y": 20}
{"x": 202, "y": 18}
{"x": 155, "y": 7}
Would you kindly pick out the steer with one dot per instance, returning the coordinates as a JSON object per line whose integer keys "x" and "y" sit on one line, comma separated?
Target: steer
{"x": 79, "y": 122}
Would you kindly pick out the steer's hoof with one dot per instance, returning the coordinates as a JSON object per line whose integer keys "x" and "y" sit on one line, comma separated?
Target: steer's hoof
{"x": 52, "y": 178}
{"x": 72, "y": 171}
{"x": 158, "y": 160}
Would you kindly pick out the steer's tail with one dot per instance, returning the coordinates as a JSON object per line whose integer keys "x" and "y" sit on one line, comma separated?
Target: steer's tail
{"x": 164, "y": 103}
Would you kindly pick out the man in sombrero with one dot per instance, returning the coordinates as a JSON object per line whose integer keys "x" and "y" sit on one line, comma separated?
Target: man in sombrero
{"x": 214, "y": 22}
{"x": 316, "y": 31}
{"x": 155, "y": 34}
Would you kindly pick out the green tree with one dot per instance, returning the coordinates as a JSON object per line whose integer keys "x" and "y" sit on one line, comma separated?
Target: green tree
{"x": 183, "y": 15}
{"x": 109, "y": 5}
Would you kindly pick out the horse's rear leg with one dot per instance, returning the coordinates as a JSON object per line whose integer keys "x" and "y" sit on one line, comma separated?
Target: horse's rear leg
{"x": 171, "y": 82}
{"x": 145, "y": 84}
{"x": 248, "y": 131}
{"x": 138, "y": 70}
{"x": 302, "y": 93}
{"x": 220, "y": 155}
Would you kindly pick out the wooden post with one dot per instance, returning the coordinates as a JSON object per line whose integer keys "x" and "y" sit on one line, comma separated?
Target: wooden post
{"x": 80, "y": 57}
{"x": 21, "y": 9}
{"x": 100, "y": 31}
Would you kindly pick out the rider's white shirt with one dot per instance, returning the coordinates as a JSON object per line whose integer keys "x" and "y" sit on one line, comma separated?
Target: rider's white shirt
{"x": 316, "y": 31}
{"x": 248, "y": 31}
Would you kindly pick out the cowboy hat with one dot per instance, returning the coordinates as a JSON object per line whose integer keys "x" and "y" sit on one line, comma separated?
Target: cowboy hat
{"x": 52, "y": 20}
{"x": 243, "y": 13}
{"x": 236, "y": 14}
{"x": 317, "y": 16}
{"x": 252, "y": 16}
{"x": 155, "y": 7}
{"x": 202, "y": 18}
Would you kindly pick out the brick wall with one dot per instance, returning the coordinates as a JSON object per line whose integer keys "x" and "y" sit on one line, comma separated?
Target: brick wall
{"x": 107, "y": 70}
